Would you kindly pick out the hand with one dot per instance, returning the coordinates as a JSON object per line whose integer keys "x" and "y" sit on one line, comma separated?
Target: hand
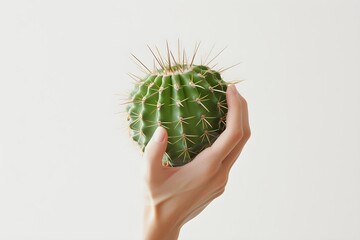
{"x": 176, "y": 195}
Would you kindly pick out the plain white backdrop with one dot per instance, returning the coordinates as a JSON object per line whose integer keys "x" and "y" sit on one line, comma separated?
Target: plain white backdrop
{"x": 68, "y": 169}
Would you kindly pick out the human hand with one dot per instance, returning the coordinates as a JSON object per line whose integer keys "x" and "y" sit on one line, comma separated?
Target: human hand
{"x": 175, "y": 195}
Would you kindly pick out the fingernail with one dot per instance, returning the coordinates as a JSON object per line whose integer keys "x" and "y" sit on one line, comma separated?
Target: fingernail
{"x": 159, "y": 135}
{"x": 233, "y": 89}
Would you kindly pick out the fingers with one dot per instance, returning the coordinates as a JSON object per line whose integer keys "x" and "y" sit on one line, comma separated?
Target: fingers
{"x": 233, "y": 155}
{"x": 155, "y": 150}
{"x": 234, "y": 129}
{"x": 208, "y": 162}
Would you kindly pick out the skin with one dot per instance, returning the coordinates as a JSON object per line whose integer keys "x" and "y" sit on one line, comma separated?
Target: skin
{"x": 173, "y": 196}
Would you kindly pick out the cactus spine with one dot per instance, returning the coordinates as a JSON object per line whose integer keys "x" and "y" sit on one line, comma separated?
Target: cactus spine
{"x": 188, "y": 100}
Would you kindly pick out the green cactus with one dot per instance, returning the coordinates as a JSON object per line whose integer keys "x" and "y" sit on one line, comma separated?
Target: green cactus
{"x": 188, "y": 100}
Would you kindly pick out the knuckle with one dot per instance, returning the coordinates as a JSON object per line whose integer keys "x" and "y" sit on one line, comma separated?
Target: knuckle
{"x": 224, "y": 181}
{"x": 247, "y": 133}
{"x": 221, "y": 181}
{"x": 237, "y": 134}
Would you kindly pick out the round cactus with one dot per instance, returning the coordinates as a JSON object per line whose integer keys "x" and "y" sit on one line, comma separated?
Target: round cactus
{"x": 188, "y": 100}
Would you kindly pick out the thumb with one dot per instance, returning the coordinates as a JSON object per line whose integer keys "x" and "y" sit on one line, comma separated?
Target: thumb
{"x": 155, "y": 149}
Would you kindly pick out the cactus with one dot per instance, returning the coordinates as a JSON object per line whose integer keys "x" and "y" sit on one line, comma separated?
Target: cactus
{"x": 188, "y": 100}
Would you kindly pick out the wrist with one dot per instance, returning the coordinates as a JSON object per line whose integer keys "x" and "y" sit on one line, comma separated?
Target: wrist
{"x": 158, "y": 226}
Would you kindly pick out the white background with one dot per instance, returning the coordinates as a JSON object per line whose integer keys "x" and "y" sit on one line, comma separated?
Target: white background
{"x": 69, "y": 171}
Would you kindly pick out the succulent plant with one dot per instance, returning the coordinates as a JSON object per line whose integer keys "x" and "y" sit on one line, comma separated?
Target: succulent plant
{"x": 188, "y": 100}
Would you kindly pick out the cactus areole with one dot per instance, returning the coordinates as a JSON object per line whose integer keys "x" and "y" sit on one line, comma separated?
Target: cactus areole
{"x": 188, "y": 100}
